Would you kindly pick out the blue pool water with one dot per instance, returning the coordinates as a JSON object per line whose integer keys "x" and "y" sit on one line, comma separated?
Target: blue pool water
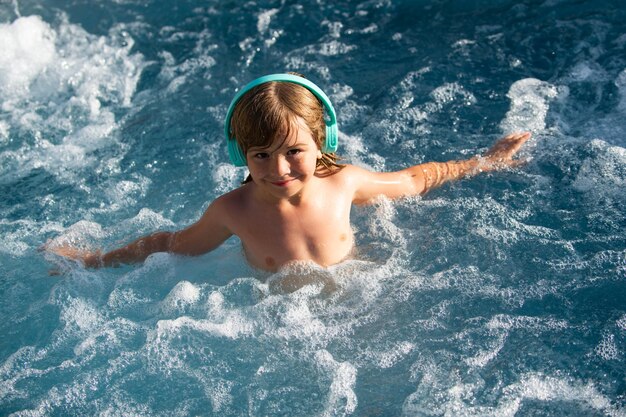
{"x": 500, "y": 295}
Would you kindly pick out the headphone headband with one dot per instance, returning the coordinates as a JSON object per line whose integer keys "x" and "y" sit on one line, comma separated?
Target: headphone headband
{"x": 235, "y": 152}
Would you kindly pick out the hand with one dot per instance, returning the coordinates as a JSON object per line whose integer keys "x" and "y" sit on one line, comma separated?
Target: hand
{"x": 501, "y": 153}
{"x": 87, "y": 258}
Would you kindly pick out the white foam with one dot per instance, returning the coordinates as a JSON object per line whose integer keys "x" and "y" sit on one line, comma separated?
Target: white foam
{"x": 265, "y": 39}
{"x": 329, "y": 45}
{"x": 296, "y": 275}
{"x": 547, "y": 388}
{"x": 193, "y": 67}
{"x": 162, "y": 349}
{"x": 494, "y": 221}
{"x": 607, "y": 348}
{"x": 330, "y": 48}
{"x": 472, "y": 281}
{"x": 342, "y": 399}
{"x": 455, "y": 397}
{"x": 463, "y": 46}
{"x": 361, "y": 280}
{"x": 28, "y": 47}
{"x": 227, "y": 177}
{"x": 80, "y": 315}
{"x": 382, "y": 224}
{"x": 16, "y": 235}
{"x": 4, "y": 132}
{"x": 371, "y": 28}
{"x": 62, "y": 160}
{"x": 388, "y": 358}
{"x": 449, "y": 93}
{"x": 125, "y": 406}
{"x": 79, "y": 235}
{"x": 298, "y": 322}
{"x": 124, "y": 299}
{"x": 184, "y": 294}
{"x": 233, "y": 326}
{"x": 219, "y": 391}
{"x": 126, "y": 192}
{"x": 146, "y": 221}
{"x": 605, "y": 172}
{"x": 484, "y": 356}
{"x": 530, "y": 100}
{"x": 356, "y": 152}
{"x": 58, "y": 86}
{"x": 334, "y": 28}
{"x": 106, "y": 338}
{"x": 507, "y": 322}
{"x": 11, "y": 370}
{"x": 499, "y": 327}
{"x": 411, "y": 80}
{"x": 264, "y": 19}
{"x": 43, "y": 61}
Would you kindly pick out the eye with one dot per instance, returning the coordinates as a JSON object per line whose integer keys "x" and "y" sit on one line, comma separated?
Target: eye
{"x": 261, "y": 155}
{"x": 293, "y": 152}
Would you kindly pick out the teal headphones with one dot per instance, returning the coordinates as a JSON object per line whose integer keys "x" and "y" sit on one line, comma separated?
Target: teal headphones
{"x": 238, "y": 158}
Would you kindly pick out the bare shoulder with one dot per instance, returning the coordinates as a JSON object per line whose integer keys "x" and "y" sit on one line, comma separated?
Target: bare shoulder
{"x": 347, "y": 181}
{"x": 367, "y": 185}
{"x": 213, "y": 228}
{"x": 350, "y": 170}
{"x": 356, "y": 177}
{"x": 348, "y": 174}
{"x": 231, "y": 201}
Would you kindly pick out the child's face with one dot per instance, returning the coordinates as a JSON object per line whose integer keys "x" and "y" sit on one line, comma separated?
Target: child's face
{"x": 283, "y": 169}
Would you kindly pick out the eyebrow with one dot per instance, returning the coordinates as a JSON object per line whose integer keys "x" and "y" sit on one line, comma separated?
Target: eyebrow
{"x": 267, "y": 148}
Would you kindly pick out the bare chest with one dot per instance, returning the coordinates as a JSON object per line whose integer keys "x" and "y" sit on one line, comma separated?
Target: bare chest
{"x": 318, "y": 232}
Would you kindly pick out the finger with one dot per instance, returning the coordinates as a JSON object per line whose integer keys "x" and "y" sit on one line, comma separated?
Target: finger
{"x": 516, "y": 140}
{"x": 520, "y": 137}
{"x": 523, "y": 136}
{"x": 514, "y": 137}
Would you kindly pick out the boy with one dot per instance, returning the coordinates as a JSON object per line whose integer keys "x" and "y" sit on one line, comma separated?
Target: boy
{"x": 295, "y": 204}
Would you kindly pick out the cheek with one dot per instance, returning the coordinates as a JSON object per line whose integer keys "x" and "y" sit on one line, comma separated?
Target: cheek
{"x": 307, "y": 163}
{"x": 254, "y": 168}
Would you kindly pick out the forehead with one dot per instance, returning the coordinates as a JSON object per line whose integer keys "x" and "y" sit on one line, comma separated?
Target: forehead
{"x": 296, "y": 132}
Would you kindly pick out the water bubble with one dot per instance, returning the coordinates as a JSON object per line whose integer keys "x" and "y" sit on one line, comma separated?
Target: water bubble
{"x": 530, "y": 99}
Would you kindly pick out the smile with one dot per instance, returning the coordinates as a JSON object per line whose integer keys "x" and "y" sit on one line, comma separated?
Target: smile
{"x": 282, "y": 183}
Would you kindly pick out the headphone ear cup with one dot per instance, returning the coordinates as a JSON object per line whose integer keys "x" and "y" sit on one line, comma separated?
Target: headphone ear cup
{"x": 332, "y": 138}
{"x": 235, "y": 153}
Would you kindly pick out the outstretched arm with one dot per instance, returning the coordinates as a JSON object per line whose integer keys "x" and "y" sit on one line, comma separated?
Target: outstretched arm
{"x": 420, "y": 179}
{"x": 201, "y": 237}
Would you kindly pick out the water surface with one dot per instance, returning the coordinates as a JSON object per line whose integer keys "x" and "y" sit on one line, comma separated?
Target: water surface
{"x": 499, "y": 295}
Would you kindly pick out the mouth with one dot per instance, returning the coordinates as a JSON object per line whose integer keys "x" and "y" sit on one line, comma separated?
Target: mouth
{"x": 282, "y": 182}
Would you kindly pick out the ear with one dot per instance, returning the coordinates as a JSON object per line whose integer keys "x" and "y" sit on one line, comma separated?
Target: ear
{"x": 319, "y": 154}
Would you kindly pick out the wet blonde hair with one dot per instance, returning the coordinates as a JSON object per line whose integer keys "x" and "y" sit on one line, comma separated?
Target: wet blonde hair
{"x": 268, "y": 113}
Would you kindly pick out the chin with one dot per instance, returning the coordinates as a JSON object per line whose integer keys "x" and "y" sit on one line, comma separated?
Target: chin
{"x": 286, "y": 192}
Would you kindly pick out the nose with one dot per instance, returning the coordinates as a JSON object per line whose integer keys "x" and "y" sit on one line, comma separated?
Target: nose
{"x": 281, "y": 166}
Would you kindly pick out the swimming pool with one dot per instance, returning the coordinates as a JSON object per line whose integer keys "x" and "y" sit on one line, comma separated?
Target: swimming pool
{"x": 501, "y": 295}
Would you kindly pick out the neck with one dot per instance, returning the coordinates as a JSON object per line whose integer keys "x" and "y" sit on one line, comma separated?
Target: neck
{"x": 269, "y": 199}
{"x": 307, "y": 193}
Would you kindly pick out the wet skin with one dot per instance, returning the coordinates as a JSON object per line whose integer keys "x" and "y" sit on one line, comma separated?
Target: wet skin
{"x": 293, "y": 212}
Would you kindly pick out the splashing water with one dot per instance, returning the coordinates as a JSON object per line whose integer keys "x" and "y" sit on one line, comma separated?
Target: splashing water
{"x": 501, "y": 295}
